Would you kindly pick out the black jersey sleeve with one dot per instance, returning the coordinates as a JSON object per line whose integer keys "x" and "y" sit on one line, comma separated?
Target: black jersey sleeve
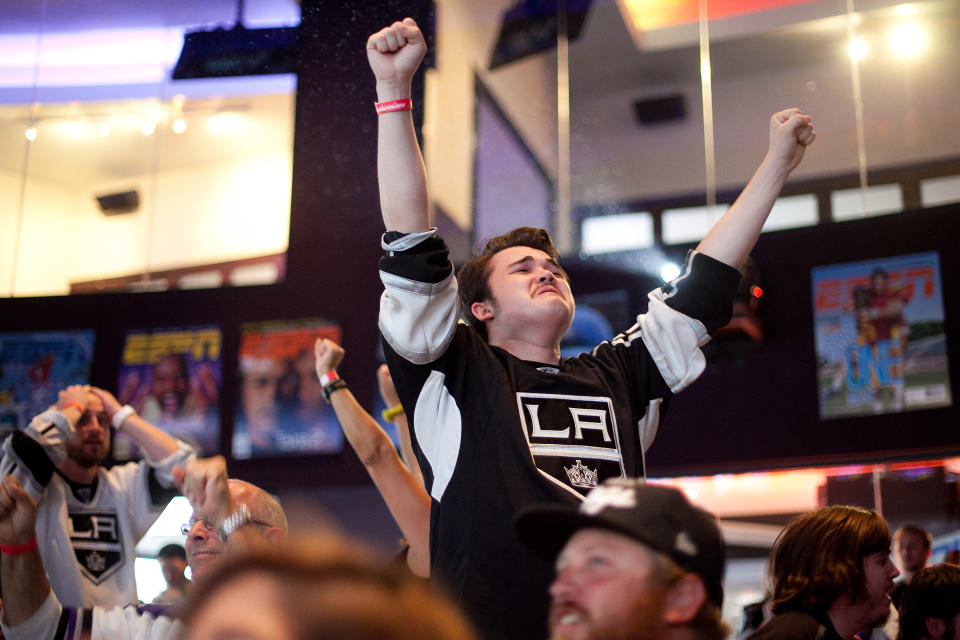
{"x": 419, "y": 307}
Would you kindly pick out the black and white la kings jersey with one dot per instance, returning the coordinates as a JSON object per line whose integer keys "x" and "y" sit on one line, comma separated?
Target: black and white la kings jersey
{"x": 494, "y": 433}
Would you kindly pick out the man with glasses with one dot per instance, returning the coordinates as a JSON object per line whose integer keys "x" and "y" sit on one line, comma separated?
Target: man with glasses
{"x": 229, "y": 516}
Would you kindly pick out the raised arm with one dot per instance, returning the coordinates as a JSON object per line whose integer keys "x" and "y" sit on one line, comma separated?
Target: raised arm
{"x": 392, "y": 399}
{"x": 394, "y": 54}
{"x": 732, "y": 238}
{"x": 157, "y": 443}
{"x": 21, "y": 568}
{"x": 406, "y": 498}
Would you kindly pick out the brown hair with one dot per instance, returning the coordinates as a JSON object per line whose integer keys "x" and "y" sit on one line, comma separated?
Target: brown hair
{"x": 330, "y": 589}
{"x": 474, "y": 275}
{"x": 934, "y": 592}
{"x": 819, "y": 557}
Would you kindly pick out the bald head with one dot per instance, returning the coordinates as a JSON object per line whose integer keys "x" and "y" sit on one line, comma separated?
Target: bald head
{"x": 268, "y": 526}
{"x": 264, "y": 508}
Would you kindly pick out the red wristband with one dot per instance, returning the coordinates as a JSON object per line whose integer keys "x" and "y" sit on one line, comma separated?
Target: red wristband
{"x": 79, "y": 406}
{"x": 404, "y": 104}
{"x": 17, "y": 549}
{"x": 328, "y": 378}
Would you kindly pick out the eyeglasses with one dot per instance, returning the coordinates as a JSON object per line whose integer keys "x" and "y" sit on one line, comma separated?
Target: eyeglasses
{"x": 188, "y": 525}
{"x": 211, "y": 529}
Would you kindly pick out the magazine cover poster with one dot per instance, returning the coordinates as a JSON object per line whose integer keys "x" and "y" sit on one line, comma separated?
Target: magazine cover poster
{"x": 281, "y": 409}
{"x": 879, "y": 334}
{"x": 172, "y": 377}
{"x": 35, "y": 366}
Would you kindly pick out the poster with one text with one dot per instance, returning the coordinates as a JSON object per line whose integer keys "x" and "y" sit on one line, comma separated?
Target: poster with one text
{"x": 880, "y": 337}
{"x": 35, "y": 366}
{"x": 281, "y": 410}
{"x": 173, "y": 377}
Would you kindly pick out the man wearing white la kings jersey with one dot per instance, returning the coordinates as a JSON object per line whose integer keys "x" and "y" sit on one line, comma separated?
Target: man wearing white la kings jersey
{"x": 498, "y": 419}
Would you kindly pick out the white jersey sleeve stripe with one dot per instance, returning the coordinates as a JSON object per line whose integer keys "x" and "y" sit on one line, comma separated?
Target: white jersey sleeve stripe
{"x": 673, "y": 340}
{"x": 647, "y": 425}
{"x": 418, "y": 319}
{"x": 438, "y": 427}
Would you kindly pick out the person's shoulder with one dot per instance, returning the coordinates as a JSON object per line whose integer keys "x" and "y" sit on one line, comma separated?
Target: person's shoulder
{"x": 792, "y": 625}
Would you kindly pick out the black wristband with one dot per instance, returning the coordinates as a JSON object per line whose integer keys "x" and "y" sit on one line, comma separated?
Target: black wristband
{"x": 339, "y": 383}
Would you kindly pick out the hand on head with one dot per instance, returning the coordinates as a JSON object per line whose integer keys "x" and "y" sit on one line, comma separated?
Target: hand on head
{"x": 74, "y": 394}
{"x": 18, "y": 513}
{"x": 204, "y": 483}
{"x": 395, "y": 53}
{"x": 329, "y": 355}
{"x": 110, "y": 404}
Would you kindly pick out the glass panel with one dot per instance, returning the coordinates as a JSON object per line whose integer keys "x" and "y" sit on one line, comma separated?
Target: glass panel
{"x": 849, "y": 204}
{"x": 603, "y": 234}
{"x": 790, "y": 212}
{"x": 132, "y": 180}
{"x": 637, "y": 135}
{"x": 910, "y": 85}
{"x": 940, "y": 190}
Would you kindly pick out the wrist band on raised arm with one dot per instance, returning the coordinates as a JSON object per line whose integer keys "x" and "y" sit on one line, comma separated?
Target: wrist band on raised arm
{"x": 339, "y": 383}
{"x": 18, "y": 549}
{"x": 328, "y": 378}
{"x": 404, "y": 104}
{"x": 391, "y": 414}
{"x": 76, "y": 405}
{"x": 122, "y": 414}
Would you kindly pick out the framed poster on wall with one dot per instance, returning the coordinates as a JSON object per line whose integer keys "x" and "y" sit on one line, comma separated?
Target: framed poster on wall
{"x": 35, "y": 366}
{"x": 280, "y": 408}
{"x": 173, "y": 378}
{"x": 880, "y": 336}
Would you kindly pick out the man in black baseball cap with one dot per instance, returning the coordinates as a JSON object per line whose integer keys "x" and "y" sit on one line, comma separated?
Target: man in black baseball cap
{"x": 633, "y": 561}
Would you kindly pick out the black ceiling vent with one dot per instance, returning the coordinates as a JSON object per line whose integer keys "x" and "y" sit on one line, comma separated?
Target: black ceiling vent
{"x": 660, "y": 110}
{"x": 112, "y": 204}
{"x": 238, "y": 52}
{"x": 530, "y": 26}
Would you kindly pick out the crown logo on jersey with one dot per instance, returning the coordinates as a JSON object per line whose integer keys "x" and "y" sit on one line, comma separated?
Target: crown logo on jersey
{"x": 581, "y": 476}
{"x": 96, "y": 562}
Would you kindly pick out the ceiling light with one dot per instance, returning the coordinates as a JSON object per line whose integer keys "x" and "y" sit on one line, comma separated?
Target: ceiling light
{"x": 147, "y": 127}
{"x": 179, "y": 126}
{"x": 858, "y": 48}
{"x": 30, "y": 134}
{"x": 908, "y": 39}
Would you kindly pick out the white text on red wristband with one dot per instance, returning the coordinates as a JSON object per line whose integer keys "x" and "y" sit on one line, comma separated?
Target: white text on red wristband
{"x": 404, "y": 104}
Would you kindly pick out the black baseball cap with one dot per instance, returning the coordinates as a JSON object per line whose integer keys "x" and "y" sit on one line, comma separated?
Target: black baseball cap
{"x": 660, "y": 517}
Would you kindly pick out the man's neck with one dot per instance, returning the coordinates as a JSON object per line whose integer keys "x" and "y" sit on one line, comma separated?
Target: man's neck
{"x": 529, "y": 350}
{"x": 77, "y": 473}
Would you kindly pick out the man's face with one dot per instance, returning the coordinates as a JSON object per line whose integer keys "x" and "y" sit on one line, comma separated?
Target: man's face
{"x": 606, "y": 589}
{"x": 879, "y": 572}
{"x": 528, "y": 288}
{"x": 204, "y": 548}
{"x": 261, "y": 381}
{"x": 170, "y": 383}
{"x": 172, "y": 569}
{"x": 912, "y": 551}
{"x": 90, "y": 441}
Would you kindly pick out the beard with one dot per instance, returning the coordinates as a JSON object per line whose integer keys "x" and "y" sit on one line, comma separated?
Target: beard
{"x": 642, "y": 621}
{"x": 82, "y": 455}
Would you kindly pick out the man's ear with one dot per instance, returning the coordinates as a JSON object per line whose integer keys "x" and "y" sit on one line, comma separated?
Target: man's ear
{"x": 936, "y": 627}
{"x": 482, "y": 311}
{"x": 685, "y": 598}
{"x": 275, "y": 536}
